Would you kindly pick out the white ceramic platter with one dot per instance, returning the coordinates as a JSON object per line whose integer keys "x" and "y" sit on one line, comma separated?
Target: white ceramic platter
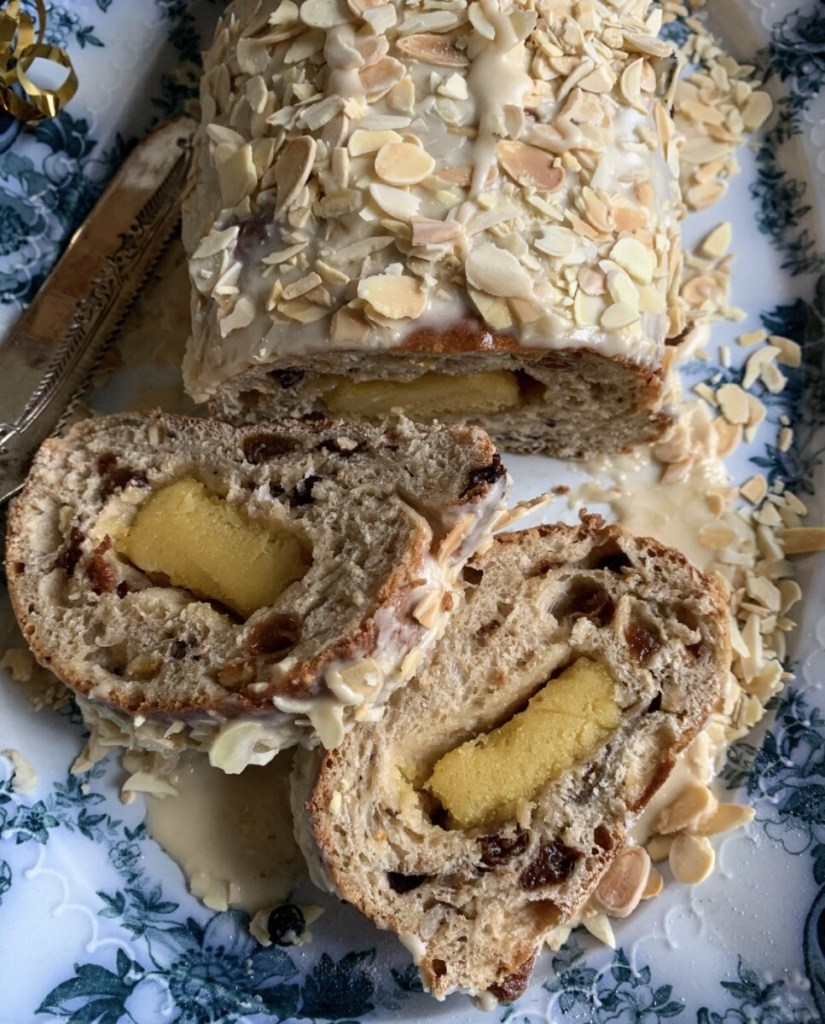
{"x": 96, "y": 924}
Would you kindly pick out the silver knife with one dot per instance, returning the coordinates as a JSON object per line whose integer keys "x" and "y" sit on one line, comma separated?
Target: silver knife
{"x": 55, "y": 345}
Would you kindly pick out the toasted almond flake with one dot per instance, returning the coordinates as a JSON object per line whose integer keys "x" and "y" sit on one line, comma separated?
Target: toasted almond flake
{"x": 401, "y": 97}
{"x": 773, "y": 378}
{"x": 292, "y": 170}
{"x": 323, "y": 13}
{"x": 599, "y": 927}
{"x": 756, "y": 111}
{"x": 591, "y": 281}
{"x": 699, "y": 197}
{"x": 237, "y": 176}
{"x": 691, "y": 859}
{"x": 427, "y": 232}
{"x": 717, "y": 242}
{"x": 496, "y": 271}
{"x": 348, "y": 325}
{"x": 619, "y": 315}
{"x": 803, "y": 540}
{"x": 638, "y": 260}
{"x": 377, "y": 79}
{"x": 302, "y": 286}
{"x": 756, "y": 362}
{"x": 302, "y": 311}
{"x": 724, "y": 818}
{"x": 752, "y": 338}
{"x": 433, "y": 49}
{"x": 307, "y": 44}
{"x": 529, "y": 166}
{"x": 428, "y": 609}
{"x": 793, "y": 503}
{"x": 761, "y": 588}
{"x": 494, "y": 310}
{"x": 403, "y": 163}
{"x": 785, "y": 439}
{"x": 480, "y": 21}
{"x": 697, "y": 291}
{"x": 655, "y": 884}
{"x": 395, "y": 296}
{"x": 691, "y": 804}
{"x": 658, "y": 847}
{"x": 621, "y": 886}
{"x": 396, "y": 202}
{"x": 755, "y": 489}
{"x": 621, "y": 288}
{"x": 791, "y": 593}
{"x": 215, "y": 242}
{"x": 729, "y": 436}
{"x": 790, "y": 354}
{"x": 714, "y": 537}
{"x": 733, "y": 402}
{"x": 362, "y": 142}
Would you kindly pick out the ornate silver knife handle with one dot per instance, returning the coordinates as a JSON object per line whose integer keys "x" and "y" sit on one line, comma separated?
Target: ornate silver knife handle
{"x": 52, "y": 350}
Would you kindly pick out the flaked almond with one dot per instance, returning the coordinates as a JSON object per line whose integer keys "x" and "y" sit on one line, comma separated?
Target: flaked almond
{"x": 362, "y": 142}
{"x": 394, "y": 201}
{"x": 690, "y": 805}
{"x": 716, "y": 242}
{"x": 756, "y": 111}
{"x": 377, "y": 79}
{"x": 529, "y": 166}
{"x": 803, "y": 540}
{"x": 619, "y": 315}
{"x": 494, "y": 310}
{"x": 292, "y": 170}
{"x": 733, "y": 402}
{"x": 723, "y": 818}
{"x": 431, "y": 48}
{"x": 435, "y": 232}
{"x": 403, "y": 163}
{"x": 691, "y": 859}
{"x": 349, "y": 325}
{"x": 237, "y": 176}
{"x": 622, "y": 885}
{"x": 637, "y": 259}
{"x": 323, "y": 13}
{"x": 497, "y": 272}
{"x": 394, "y": 296}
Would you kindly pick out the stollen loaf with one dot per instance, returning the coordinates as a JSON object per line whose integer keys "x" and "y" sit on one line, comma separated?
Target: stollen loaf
{"x": 482, "y": 811}
{"x": 470, "y": 212}
{"x": 242, "y": 590}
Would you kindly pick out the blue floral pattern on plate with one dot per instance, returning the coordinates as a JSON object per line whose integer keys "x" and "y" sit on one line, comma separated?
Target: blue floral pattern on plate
{"x": 96, "y": 926}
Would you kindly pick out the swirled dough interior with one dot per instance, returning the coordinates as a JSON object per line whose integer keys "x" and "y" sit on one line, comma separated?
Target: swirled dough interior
{"x": 484, "y": 809}
{"x": 242, "y": 590}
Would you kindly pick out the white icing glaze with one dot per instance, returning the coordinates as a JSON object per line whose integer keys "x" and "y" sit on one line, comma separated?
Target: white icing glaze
{"x": 279, "y": 241}
{"x": 230, "y": 833}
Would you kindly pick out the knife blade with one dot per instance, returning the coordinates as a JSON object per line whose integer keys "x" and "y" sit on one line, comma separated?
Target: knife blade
{"x": 53, "y": 348}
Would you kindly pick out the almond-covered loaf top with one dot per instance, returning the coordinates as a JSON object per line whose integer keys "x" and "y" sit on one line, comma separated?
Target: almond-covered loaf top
{"x": 368, "y": 172}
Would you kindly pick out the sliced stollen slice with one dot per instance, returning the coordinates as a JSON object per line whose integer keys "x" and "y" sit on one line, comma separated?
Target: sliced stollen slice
{"x": 483, "y": 809}
{"x": 243, "y": 590}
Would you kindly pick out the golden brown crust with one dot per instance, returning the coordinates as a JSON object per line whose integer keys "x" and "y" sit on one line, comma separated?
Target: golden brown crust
{"x": 668, "y": 704}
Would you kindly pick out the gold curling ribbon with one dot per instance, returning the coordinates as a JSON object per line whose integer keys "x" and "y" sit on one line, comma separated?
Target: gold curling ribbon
{"x": 20, "y": 46}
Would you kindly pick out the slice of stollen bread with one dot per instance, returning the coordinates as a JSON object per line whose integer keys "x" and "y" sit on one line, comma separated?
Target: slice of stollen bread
{"x": 243, "y": 590}
{"x": 474, "y": 861}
